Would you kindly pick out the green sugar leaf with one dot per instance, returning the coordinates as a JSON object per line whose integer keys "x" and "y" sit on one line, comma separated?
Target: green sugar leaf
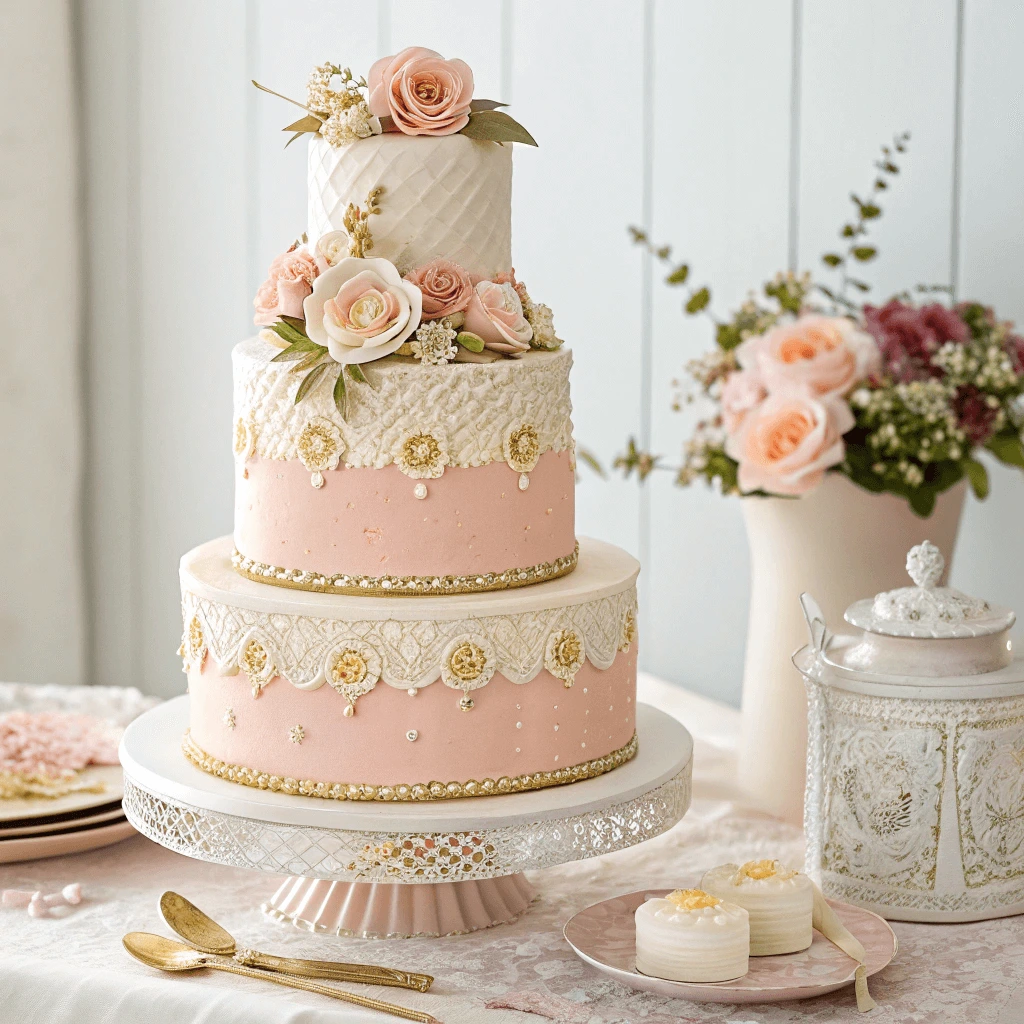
{"x": 309, "y": 123}
{"x": 496, "y": 126}
{"x": 476, "y": 105}
{"x": 469, "y": 340}
{"x": 310, "y": 381}
{"x": 356, "y": 373}
{"x": 340, "y": 397}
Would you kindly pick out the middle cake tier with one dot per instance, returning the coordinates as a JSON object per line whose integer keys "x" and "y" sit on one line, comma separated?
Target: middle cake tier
{"x": 445, "y": 479}
{"x": 386, "y": 698}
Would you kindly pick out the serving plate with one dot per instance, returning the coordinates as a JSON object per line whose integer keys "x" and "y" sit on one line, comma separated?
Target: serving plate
{"x": 57, "y": 844}
{"x": 604, "y": 936}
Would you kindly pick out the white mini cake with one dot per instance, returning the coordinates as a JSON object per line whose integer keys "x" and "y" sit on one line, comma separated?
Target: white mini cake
{"x": 691, "y": 936}
{"x": 778, "y": 901}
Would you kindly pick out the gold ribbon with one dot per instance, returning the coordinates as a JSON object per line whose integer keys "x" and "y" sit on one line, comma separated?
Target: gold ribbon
{"x": 826, "y": 920}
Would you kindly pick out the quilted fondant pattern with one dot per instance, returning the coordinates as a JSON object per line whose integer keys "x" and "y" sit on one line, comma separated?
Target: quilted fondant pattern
{"x": 448, "y": 196}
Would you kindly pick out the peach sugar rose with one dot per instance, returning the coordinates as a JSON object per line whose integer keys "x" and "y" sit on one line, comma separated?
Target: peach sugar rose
{"x": 423, "y": 92}
{"x": 785, "y": 444}
{"x": 495, "y": 313}
{"x": 825, "y": 355}
{"x": 289, "y": 280}
{"x": 445, "y": 286}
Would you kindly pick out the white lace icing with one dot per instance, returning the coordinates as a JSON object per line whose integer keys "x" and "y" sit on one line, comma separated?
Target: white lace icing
{"x": 411, "y": 653}
{"x": 473, "y": 406}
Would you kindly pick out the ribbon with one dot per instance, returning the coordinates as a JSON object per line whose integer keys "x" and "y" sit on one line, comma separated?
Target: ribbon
{"x": 826, "y": 920}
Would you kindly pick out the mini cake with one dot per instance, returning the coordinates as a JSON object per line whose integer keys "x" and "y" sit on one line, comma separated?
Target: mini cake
{"x": 778, "y": 901}
{"x": 691, "y": 935}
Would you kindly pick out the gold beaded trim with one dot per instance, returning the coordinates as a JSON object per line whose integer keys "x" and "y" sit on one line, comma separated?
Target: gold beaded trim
{"x": 403, "y": 586}
{"x": 402, "y": 792}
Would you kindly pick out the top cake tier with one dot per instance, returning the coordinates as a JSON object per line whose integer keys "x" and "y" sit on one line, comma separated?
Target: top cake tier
{"x": 447, "y": 197}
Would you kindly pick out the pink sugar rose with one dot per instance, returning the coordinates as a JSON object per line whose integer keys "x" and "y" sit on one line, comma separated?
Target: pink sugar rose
{"x": 495, "y": 313}
{"x": 289, "y": 281}
{"x": 362, "y": 310}
{"x": 743, "y": 390}
{"x": 784, "y": 445}
{"x": 446, "y": 287}
{"x": 823, "y": 355}
{"x": 423, "y": 92}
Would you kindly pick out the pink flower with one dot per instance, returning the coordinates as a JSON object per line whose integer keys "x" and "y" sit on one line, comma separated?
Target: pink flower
{"x": 495, "y": 313}
{"x": 976, "y": 417}
{"x": 423, "y": 92}
{"x": 784, "y": 445}
{"x": 289, "y": 281}
{"x": 361, "y": 309}
{"x": 823, "y": 355}
{"x": 445, "y": 285}
{"x": 908, "y": 337}
{"x": 743, "y": 390}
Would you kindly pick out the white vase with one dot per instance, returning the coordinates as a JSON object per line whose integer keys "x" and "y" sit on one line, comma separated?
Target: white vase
{"x": 840, "y": 543}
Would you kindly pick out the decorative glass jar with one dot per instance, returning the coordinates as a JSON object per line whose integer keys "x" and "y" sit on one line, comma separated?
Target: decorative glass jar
{"x": 914, "y": 805}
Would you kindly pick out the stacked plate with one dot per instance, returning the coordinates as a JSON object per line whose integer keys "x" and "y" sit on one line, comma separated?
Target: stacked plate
{"x": 35, "y": 827}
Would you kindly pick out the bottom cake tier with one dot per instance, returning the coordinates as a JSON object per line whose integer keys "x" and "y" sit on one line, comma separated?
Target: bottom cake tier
{"x": 410, "y": 698}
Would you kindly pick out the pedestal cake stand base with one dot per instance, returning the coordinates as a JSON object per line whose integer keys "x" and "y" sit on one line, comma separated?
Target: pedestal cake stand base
{"x": 388, "y": 870}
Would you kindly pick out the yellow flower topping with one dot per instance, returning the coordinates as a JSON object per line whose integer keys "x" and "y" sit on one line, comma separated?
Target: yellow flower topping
{"x": 761, "y": 869}
{"x": 692, "y": 899}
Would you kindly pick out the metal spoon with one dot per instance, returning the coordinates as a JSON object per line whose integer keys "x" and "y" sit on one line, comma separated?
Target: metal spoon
{"x": 168, "y": 955}
{"x": 203, "y": 933}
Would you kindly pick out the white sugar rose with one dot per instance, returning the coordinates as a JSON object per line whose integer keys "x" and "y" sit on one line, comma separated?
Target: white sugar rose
{"x": 362, "y": 310}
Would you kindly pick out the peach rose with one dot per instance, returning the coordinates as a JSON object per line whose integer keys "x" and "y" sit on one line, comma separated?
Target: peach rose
{"x": 742, "y": 391}
{"x": 289, "y": 280}
{"x": 423, "y": 92}
{"x": 362, "y": 310}
{"x": 495, "y": 313}
{"x": 825, "y": 355}
{"x": 784, "y": 445}
{"x": 445, "y": 285}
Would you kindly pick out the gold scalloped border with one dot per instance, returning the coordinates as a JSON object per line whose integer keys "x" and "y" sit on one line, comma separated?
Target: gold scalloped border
{"x": 402, "y": 586}
{"x": 402, "y": 793}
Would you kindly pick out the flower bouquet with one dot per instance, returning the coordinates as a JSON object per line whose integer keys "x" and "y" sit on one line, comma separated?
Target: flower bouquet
{"x": 809, "y": 380}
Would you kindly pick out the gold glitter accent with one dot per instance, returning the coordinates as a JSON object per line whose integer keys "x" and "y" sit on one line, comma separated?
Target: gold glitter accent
{"x": 405, "y": 792}
{"x": 195, "y": 638}
{"x": 402, "y": 586}
{"x": 761, "y": 869}
{"x": 692, "y": 899}
{"x": 348, "y": 668}
{"x": 360, "y": 242}
{"x": 564, "y": 655}
{"x": 229, "y": 718}
{"x": 628, "y": 631}
{"x": 254, "y": 658}
{"x": 468, "y": 662}
{"x": 522, "y": 448}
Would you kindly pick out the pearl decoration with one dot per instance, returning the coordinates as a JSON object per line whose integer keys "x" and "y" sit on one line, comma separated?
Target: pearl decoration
{"x": 466, "y": 704}
{"x": 412, "y": 691}
{"x": 524, "y": 481}
{"x": 350, "y": 710}
{"x": 420, "y": 490}
{"x": 412, "y": 735}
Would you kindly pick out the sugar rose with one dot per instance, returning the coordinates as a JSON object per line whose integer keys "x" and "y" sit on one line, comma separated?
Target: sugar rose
{"x": 495, "y": 313}
{"x": 824, "y": 355}
{"x": 361, "y": 309}
{"x": 784, "y": 445}
{"x": 445, "y": 286}
{"x": 289, "y": 280}
{"x": 423, "y": 92}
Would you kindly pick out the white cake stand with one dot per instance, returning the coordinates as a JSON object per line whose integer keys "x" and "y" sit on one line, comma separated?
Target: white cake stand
{"x": 390, "y": 870}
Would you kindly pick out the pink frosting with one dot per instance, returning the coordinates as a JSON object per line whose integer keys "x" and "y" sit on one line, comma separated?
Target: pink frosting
{"x": 368, "y": 521}
{"x": 593, "y": 718}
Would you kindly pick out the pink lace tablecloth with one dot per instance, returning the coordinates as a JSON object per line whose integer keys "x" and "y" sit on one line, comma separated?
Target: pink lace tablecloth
{"x": 73, "y": 970}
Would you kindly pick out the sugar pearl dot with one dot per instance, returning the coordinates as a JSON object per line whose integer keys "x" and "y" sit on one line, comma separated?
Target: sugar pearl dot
{"x": 524, "y": 481}
{"x": 519, "y": 725}
{"x": 412, "y": 735}
{"x": 412, "y": 691}
{"x": 349, "y": 711}
{"x": 420, "y": 490}
{"x": 517, "y": 750}
{"x": 556, "y": 728}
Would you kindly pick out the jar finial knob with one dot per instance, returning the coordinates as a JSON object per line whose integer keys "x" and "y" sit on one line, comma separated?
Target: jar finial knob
{"x": 925, "y": 564}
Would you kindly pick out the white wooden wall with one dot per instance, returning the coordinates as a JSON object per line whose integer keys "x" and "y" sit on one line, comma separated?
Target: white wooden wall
{"x": 733, "y": 128}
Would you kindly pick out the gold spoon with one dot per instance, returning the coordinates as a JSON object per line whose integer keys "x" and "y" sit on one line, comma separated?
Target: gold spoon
{"x": 168, "y": 955}
{"x": 203, "y": 933}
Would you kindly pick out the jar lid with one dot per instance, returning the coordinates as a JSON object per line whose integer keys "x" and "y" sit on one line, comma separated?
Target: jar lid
{"x": 926, "y": 610}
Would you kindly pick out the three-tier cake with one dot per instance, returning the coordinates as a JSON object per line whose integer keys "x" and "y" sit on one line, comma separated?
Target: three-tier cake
{"x": 404, "y": 612}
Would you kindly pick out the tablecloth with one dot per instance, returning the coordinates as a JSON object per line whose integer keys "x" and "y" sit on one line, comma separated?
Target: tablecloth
{"x": 74, "y": 971}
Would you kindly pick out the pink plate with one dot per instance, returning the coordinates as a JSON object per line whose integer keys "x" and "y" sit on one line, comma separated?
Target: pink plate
{"x": 604, "y": 936}
{"x": 60, "y": 843}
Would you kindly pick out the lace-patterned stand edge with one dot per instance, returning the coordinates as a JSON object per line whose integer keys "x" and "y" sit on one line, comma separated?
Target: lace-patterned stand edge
{"x": 404, "y": 792}
{"x": 403, "y": 586}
